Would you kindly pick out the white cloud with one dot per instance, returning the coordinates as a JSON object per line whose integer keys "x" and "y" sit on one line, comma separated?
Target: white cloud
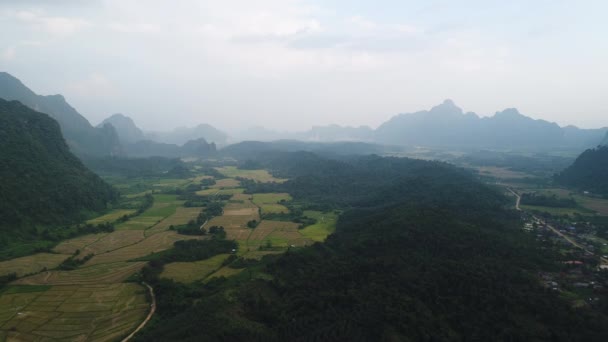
{"x": 96, "y": 85}
{"x": 53, "y": 25}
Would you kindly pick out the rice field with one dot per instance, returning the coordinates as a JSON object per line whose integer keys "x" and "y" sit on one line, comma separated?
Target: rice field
{"x": 182, "y": 215}
{"x": 98, "y": 274}
{"x": 31, "y": 263}
{"x": 257, "y": 175}
{"x": 111, "y": 216}
{"x": 187, "y": 272}
{"x": 212, "y": 191}
{"x": 269, "y": 203}
{"x": 226, "y": 183}
{"x": 326, "y": 224}
{"x": 71, "y": 312}
{"x": 152, "y": 244}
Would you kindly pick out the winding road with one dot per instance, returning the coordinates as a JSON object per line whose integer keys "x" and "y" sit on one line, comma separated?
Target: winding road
{"x": 150, "y": 314}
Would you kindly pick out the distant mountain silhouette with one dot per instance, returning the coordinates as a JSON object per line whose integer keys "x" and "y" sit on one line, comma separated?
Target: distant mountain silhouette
{"x": 329, "y": 133}
{"x": 192, "y": 148}
{"x": 181, "y": 135}
{"x": 82, "y": 138}
{"x": 605, "y": 141}
{"x": 126, "y": 129}
{"x": 43, "y": 182}
{"x": 446, "y": 125}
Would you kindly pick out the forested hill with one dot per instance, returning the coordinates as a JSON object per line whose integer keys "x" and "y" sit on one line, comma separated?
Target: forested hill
{"x": 43, "y": 183}
{"x": 83, "y": 139}
{"x": 423, "y": 252}
{"x": 589, "y": 172}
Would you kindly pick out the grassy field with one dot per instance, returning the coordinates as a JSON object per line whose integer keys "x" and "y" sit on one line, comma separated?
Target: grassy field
{"x": 72, "y": 312}
{"x": 111, "y": 216}
{"x": 187, "y": 272}
{"x": 213, "y": 191}
{"x": 31, "y": 263}
{"x": 326, "y": 224}
{"x": 226, "y": 183}
{"x": 225, "y": 272}
{"x": 257, "y": 175}
{"x": 269, "y": 203}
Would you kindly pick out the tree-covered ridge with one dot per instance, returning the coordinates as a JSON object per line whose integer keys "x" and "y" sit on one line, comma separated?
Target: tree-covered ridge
{"x": 43, "y": 183}
{"x": 589, "y": 172}
{"x": 423, "y": 252}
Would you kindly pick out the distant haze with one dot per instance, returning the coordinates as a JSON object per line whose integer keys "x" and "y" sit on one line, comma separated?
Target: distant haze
{"x": 289, "y": 65}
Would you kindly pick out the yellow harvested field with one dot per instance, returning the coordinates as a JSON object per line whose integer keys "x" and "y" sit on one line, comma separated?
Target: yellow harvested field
{"x": 187, "y": 272}
{"x": 242, "y": 197}
{"x": 31, "y": 263}
{"x": 152, "y": 244}
{"x": 70, "y": 246}
{"x": 233, "y": 221}
{"x": 112, "y": 216}
{"x": 257, "y": 175}
{"x": 226, "y": 183}
{"x": 182, "y": 216}
{"x": 241, "y": 212}
{"x": 71, "y": 312}
{"x": 99, "y": 274}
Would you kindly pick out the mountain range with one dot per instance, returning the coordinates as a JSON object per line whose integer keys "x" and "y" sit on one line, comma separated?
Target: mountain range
{"x": 82, "y": 138}
{"x": 444, "y": 126}
{"x": 447, "y": 126}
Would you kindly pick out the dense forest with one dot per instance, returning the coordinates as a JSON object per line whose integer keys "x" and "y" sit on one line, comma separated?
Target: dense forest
{"x": 423, "y": 252}
{"x": 589, "y": 172}
{"x": 43, "y": 183}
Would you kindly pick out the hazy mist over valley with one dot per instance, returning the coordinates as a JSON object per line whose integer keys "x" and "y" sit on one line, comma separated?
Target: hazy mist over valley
{"x": 303, "y": 170}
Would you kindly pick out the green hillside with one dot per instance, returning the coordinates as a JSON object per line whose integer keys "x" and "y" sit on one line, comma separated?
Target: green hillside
{"x": 43, "y": 183}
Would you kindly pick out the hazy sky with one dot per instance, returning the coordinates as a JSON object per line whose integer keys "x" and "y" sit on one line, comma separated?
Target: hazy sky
{"x": 289, "y": 64}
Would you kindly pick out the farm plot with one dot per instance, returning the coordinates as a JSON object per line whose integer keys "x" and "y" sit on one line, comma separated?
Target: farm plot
{"x": 139, "y": 223}
{"x": 267, "y": 227}
{"x": 71, "y": 312}
{"x": 234, "y": 225}
{"x": 112, "y": 216}
{"x": 211, "y": 191}
{"x": 326, "y": 224}
{"x": 112, "y": 241}
{"x": 258, "y": 175}
{"x": 226, "y": 183}
{"x": 269, "y": 203}
{"x": 287, "y": 236}
{"x": 225, "y": 272}
{"x": 98, "y": 274}
{"x": 31, "y": 263}
{"x": 182, "y": 216}
{"x": 187, "y": 272}
{"x": 154, "y": 243}
{"x": 71, "y": 245}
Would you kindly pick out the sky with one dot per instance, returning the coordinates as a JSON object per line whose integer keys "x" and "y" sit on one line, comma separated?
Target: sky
{"x": 290, "y": 64}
